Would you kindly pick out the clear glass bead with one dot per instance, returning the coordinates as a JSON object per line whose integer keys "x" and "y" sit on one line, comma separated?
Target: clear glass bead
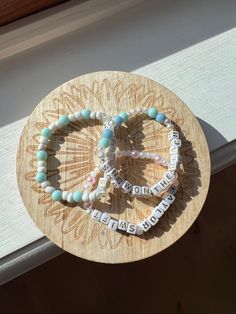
{"x": 142, "y": 155}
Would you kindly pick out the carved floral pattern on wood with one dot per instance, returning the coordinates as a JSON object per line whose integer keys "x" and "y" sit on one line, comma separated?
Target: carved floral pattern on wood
{"x": 72, "y": 158}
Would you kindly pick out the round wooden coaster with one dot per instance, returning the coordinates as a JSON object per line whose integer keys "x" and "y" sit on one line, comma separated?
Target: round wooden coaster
{"x": 72, "y": 156}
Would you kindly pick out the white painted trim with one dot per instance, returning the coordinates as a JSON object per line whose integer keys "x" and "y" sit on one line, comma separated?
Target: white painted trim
{"x": 55, "y": 22}
{"x": 27, "y": 258}
{"x": 223, "y": 157}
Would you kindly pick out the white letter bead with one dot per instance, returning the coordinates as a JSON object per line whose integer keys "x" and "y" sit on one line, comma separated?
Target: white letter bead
{"x": 106, "y": 166}
{"x": 172, "y": 135}
{"x": 106, "y": 125}
{"x": 173, "y": 189}
{"x": 139, "y": 230}
{"x": 127, "y": 186}
{"x": 174, "y": 158}
{"x": 123, "y": 225}
{"x": 156, "y": 189}
{"x": 131, "y": 228}
{"x": 78, "y": 115}
{"x": 65, "y": 195}
{"x": 145, "y": 225}
{"x": 102, "y": 182}
{"x": 146, "y": 192}
{"x": 172, "y": 166}
{"x": 137, "y": 190}
{"x": 153, "y": 220}
{"x": 96, "y": 214}
{"x": 49, "y": 189}
{"x": 105, "y": 218}
{"x": 169, "y": 176}
{"x": 169, "y": 198}
{"x": 113, "y": 174}
{"x": 163, "y": 184}
{"x": 174, "y": 149}
{"x": 157, "y": 212}
{"x": 113, "y": 224}
{"x": 163, "y": 205}
{"x": 117, "y": 183}
{"x": 176, "y": 142}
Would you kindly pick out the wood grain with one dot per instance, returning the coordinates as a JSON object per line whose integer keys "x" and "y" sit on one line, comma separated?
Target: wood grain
{"x": 12, "y": 10}
{"x": 72, "y": 158}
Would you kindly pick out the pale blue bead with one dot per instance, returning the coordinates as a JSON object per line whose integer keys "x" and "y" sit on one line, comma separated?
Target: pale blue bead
{"x": 160, "y": 117}
{"x": 57, "y": 195}
{"x": 85, "y": 113}
{"x": 64, "y": 120}
{"x": 124, "y": 116}
{"x": 107, "y": 133}
{"x": 40, "y": 177}
{"x": 152, "y": 112}
{"x": 118, "y": 120}
{"x": 77, "y": 196}
{"x": 42, "y": 155}
{"x": 104, "y": 142}
{"x": 46, "y": 132}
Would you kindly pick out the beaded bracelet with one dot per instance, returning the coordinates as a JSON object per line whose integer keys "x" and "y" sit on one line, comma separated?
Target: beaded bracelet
{"x": 158, "y": 159}
{"x": 169, "y": 180}
{"x": 103, "y": 183}
{"x": 106, "y": 154}
{"x": 108, "y": 140}
{"x": 46, "y": 133}
{"x": 112, "y": 173}
{"x": 145, "y": 224}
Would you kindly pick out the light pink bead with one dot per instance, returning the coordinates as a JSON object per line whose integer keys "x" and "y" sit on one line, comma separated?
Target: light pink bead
{"x": 94, "y": 180}
{"x": 176, "y": 181}
{"x": 158, "y": 159}
{"x": 87, "y": 205}
{"x": 90, "y": 179}
{"x": 134, "y": 154}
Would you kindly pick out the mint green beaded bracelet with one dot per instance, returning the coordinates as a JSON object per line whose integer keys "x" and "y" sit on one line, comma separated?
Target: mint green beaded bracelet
{"x": 42, "y": 156}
